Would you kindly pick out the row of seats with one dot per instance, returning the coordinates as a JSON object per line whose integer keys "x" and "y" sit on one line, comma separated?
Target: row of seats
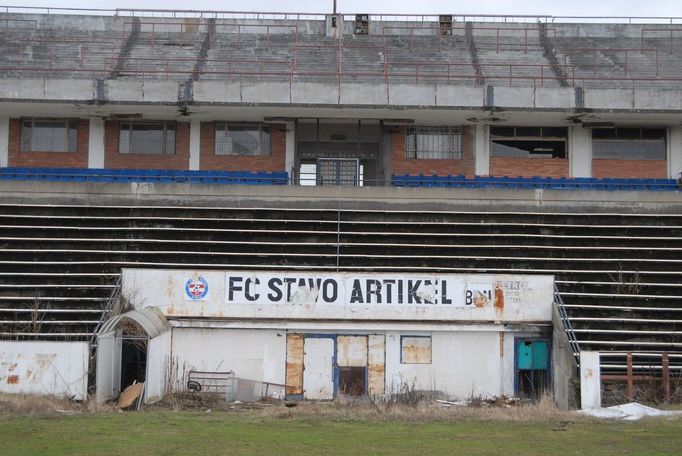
{"x": 145, "y": 175}
{"x": 575, "y": 183}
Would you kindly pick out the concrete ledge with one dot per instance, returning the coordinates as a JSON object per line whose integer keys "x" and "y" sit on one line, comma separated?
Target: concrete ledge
{"x": 266, "y": 92}
{"x": 217, "y": 92}
{"x": 608, "y": 99}
{"x": 657, "y": 99}
{"x": 412, "y": 95}
{"x": 517, "y": 97}
{"x": 562, "y": 98}
{"x": 314, "y": 93}
{"x": 371, "y": 198}
{"x": 450, "y": 95}
{"x": 364, "y": 94}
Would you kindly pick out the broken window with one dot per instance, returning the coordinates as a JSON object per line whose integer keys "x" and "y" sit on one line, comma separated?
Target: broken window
{"x": 415, "y": 350}
{"x": 242, "y": 139}
{"x": 433, "y": 143}
{"x": 352, "y": 380}
{"x": 528, "y": 142}
{"x": 152, "y": 138}
{"x": 49, "y": 135}
{"x": 628, "y": 143}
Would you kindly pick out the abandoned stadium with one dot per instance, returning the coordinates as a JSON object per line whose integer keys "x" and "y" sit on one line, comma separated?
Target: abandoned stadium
{"x": 320, "y": 206}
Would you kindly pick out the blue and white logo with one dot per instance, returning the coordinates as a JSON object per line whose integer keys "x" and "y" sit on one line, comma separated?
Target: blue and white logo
{"x": 196, "y": 289}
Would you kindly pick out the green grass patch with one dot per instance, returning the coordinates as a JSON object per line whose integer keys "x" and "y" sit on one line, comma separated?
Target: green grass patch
{"x": 172, "y": 432}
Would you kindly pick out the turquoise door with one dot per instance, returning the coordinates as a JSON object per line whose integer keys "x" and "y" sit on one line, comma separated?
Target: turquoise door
{"x": 532, "y": 367}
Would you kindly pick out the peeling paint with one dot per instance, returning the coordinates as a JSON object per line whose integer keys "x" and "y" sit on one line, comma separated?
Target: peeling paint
{"x": 501, "y": 344}
{"x": 376, "y": 360}
{"x": 499, "y": 297}
{"x": 13, "y": 380}
{"x": 351, "y": 351}
{"x": 294, "y": 364}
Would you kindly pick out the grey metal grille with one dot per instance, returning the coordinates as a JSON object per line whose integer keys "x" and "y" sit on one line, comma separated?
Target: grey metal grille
{"x": 151, "y": 138}
{"x": 628, "y": 149}
{"x": 343, "y": 172}
{"x": 242, "y": 139}
{"x": 433, "y": 142}
{"x": 49, "y": 135}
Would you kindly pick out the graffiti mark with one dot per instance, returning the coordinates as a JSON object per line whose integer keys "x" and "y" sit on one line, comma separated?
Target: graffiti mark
{"x": 13, "y": 380}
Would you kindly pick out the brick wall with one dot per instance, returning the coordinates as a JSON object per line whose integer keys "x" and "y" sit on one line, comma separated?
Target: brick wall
{"x": 528, "y": 167}
{"x": 274, "y": 162}
{"x": 442, "y": 167}
{"x": 115, "y": 160}
{"x": 634, "y": 169}
{"x": 38, "y": 159}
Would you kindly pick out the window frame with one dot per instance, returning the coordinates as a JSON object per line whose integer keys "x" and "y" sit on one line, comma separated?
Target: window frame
{"x": 524, "y": 136}
{"x": 263, "y": 129}
{"x": 413, "y": 152}
{"x": 67, "y": 124}
{"x": 625, "y": 139}
{"x": 163, "y": 123}
{"x": 402, "y": 358}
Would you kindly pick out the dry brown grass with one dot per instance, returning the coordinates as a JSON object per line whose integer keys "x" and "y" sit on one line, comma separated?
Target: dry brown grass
{"x": 543, "y": 410}
{"x": 32, "y": 404}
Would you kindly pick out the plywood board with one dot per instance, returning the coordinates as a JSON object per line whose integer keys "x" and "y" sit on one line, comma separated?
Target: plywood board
{"x": 294, "y": 364}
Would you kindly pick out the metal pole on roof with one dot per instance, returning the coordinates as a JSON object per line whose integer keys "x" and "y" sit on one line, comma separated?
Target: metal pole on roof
{"x": 334, "y": 6}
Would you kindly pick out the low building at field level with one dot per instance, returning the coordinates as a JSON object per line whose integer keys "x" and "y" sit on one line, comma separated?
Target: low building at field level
{"x": 327, "y": 335}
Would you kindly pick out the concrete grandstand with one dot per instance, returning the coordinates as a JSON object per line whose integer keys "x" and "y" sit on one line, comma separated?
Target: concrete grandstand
{"x": 346, "y": 143}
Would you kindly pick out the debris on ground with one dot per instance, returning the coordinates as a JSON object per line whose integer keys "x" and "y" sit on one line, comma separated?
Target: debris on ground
{"x": 496, "y": 401}
{"x": 631, "y": 411}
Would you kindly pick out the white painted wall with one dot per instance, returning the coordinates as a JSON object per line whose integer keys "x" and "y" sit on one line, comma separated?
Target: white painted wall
{"x": 482, "y": 150}
{"x": 580, "y": 151}
{"x": 258, "y": 355}
{"x": 158, "y": 367}
{"x": 96, "y": 143}
{"x": 194, "y": 145}
{"x": 526, "y": 298}
{"x": 590, "y": 380}
{"x": 674, "y": 152}
{"x": 290, "y": 148}
{"x": 4, "y": 141}
{"x": 45, "y": 368}
{"x": 463, "y": 364}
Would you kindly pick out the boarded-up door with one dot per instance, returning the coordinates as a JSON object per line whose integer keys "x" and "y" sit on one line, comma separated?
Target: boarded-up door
{"x": 376, "y": 356}
{"x": 318, "y": 382}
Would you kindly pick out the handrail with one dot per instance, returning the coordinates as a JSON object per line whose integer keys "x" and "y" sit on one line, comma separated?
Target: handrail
{"x": 109, "y": 306}
{"x": 565, "y": 319}
{"x": 186, "y": 13}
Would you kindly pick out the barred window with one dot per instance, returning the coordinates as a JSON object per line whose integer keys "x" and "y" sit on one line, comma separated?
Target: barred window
{"x": 151, "y": 138}
{"x": 433, "y": 143}
{"x": 241, "y": 139}
{"x": 49, "y": 135}
{"x": 628, "y": 143}
{"x": 529, "y": 142}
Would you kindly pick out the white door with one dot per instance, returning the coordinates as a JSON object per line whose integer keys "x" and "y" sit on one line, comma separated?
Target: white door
{"x": 318, "y": 382}
{"x": 108, "y": 367}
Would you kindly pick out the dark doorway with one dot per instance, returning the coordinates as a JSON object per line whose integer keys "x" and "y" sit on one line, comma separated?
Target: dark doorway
{"x": 353, "y": 381}
{"x": 133, "y": 361}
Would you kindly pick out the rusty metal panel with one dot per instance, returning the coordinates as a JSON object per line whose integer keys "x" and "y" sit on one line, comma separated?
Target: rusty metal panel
{"x": 294, "y": 364}
{"x": 351, "y": 351}
{"x": 376, "y": 364}
{"x": 415, "y": 350}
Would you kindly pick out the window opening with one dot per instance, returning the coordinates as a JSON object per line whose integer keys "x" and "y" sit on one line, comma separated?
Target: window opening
{"x": 629, "y": 143}
{"x": 151, "y": 138}
{"x": 241, "y": 139}
{"x": 529, "y": 142}
{"x": 433, "y": 143}
{"x": 49, "y": 135}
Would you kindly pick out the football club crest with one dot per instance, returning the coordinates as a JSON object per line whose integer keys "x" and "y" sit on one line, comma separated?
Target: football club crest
{"x": 196, "y": 289}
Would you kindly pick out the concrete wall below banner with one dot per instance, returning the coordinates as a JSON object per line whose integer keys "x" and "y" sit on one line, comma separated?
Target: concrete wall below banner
{"x": 44, "y": 368}
{"x": 257, "y": 355}
{"x": 458, "y": 364}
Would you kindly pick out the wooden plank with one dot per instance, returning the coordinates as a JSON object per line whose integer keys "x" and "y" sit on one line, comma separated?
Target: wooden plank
{"x": 666, "y": 377}
{"x": 376, "y": 364}
{"x": 294, "y": 364}
{"x": 630, "y": 388}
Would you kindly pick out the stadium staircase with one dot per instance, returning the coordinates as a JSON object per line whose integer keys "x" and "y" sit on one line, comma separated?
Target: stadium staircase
{"x": 617, "y": 272}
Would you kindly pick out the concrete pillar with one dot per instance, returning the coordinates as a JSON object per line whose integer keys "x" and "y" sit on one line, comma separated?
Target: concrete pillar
{"x": 4, "y": 141}
{"x": 674, "y": 152}
{"x": 194, "y": 145}
{"x": 580, "y": 151}
{"x": 96, "y": 143}
{"x": 590, "y": 380}
{"x": 482, "y": 150}
{"x": 290, "y": 148}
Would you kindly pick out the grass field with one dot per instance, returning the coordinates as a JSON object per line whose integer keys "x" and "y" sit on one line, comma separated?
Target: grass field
{"x": 281, "y": 432}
